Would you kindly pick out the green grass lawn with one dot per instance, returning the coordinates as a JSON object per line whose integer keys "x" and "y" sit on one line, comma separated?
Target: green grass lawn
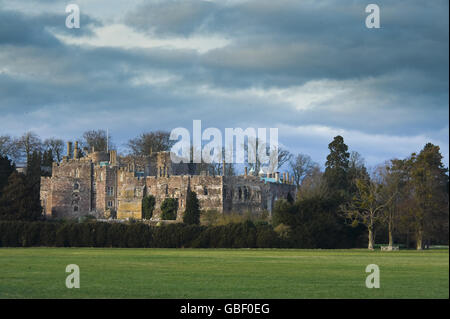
{"x": 221, "y": 273}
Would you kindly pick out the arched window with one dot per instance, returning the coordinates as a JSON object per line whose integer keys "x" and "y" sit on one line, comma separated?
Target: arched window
{"x": 205, "y": 190}
{"x": 240, "y": 193}
{"x": 77, "y": 173}
{"x": 76, "y": 186}
{"x": 167, "y": 189}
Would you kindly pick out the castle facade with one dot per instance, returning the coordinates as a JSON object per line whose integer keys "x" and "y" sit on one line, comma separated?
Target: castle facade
{"x": 107, "y": 186}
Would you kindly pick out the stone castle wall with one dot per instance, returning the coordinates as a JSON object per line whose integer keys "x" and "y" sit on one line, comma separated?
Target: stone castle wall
{"x": 104, "y": 185}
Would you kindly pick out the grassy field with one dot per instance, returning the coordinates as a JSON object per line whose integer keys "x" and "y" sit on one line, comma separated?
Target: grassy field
{"x": 221, "y": 273}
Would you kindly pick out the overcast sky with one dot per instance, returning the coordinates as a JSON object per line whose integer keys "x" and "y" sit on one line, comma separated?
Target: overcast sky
{"x": 310, "y": 68}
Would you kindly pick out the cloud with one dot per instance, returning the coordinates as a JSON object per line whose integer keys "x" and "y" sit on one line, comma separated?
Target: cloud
{"x": 308, "y": 67}
{"x": 121, "y": 36}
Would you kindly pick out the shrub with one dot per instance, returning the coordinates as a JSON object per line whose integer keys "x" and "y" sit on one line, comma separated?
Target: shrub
{"x": 192, "y": 213}
{"x": 283, "y": 231}
{"x": 169, "y": 208}
{"x": 209, "y": 217}
{"x": 148, "y": 205}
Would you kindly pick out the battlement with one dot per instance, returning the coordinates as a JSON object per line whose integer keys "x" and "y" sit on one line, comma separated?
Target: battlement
{"x": 110, "y": 186}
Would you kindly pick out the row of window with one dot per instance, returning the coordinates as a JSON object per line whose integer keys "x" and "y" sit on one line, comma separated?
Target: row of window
{"x": 109, "y": 189}
{"x": 243, "y": 192}
{"x": 110, "y": 204}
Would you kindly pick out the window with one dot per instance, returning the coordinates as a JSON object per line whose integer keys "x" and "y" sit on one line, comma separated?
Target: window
{"x": 240, "y": 193}
{"x": 75, "y": 208}
{"x": 76, "y": 186}
{"x": 77, "y": 173}
{"x": 109, "y": 191}
{"x": 110, "y": 204}
{"x": 205, "y": 190}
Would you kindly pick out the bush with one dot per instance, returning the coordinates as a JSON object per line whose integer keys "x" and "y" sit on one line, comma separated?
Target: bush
{"x": 266, "y": 237}
{"x": 283, "y": 231}
{"x": 169, "y": 208}
{"x": 209, "y": 217}
{"x": 313, "y": 223}
{"x": 192, "y": 213}
{"x": 148, "y": 205}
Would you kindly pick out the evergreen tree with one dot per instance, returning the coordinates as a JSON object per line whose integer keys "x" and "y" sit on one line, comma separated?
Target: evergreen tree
{"x": 148, "y": 205}
{"x": 169, "y": 209}
{"x": 192, "y": 212}
{"x": 15, "y": 203}
{"x": 337, "y": 169}
{"x": 6, "y": 169}
{"x": 429, "y": 183}
{"x": 33, "y": 178}
{"x": 289, "y": 198}
{"x": 47, "y": 162}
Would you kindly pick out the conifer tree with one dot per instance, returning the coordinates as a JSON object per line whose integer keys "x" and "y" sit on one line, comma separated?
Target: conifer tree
{"x": 337, "y": 169}
{"x": 15, "y": 203}
{"x": 192, "y": 212}
{"x": 6, "y": 169}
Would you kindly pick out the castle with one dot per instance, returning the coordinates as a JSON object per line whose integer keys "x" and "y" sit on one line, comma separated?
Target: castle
{"x": 106, "y": 185}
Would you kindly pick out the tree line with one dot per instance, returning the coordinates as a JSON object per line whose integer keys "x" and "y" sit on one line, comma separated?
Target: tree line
{"x": 402, "y": 201}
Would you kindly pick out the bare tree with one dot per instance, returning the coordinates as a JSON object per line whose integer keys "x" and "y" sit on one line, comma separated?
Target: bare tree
{"x": 276, "y": 158}
{"x": 28, "y": 143}
{"x": 9, "y": 147}
{"x": 218, "y": 168}
{"x": 150, "y": 142}
{"x": 390, "y": 176}
{"x": 55, "y": 145}
{"x": 367, "y": 206}
{"x": 96, "y": 139}
{"x": 301, "y": 167}
{"x": 313, "y": 185}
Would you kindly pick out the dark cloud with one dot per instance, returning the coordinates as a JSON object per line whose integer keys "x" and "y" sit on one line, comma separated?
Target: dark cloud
{"x": 387, "y": 82}
{"x": 19, "y": 29}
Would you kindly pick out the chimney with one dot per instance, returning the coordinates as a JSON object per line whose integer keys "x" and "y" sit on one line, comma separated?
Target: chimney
{"x": 277, "y": 176}
{"x": 75, "y": 150}
{"x": 292, "y": 180}
{"x": 69, "y": 146}
{"x": 223, "y": 167}
{"x": 112, "y": 157}
{"x": 287, "y": 178}
{"x": 284, "y": 177}
{"x": 245, "y": 171}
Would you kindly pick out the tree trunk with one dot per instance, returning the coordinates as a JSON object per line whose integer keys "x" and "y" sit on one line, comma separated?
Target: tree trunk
{"x": 419, "y": 239}
{"x": 370, "y": 238}
{"x": 391, "y": 234}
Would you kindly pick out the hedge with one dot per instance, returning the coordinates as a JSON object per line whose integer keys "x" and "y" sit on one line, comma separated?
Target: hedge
{"x": 136, "y": 235}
